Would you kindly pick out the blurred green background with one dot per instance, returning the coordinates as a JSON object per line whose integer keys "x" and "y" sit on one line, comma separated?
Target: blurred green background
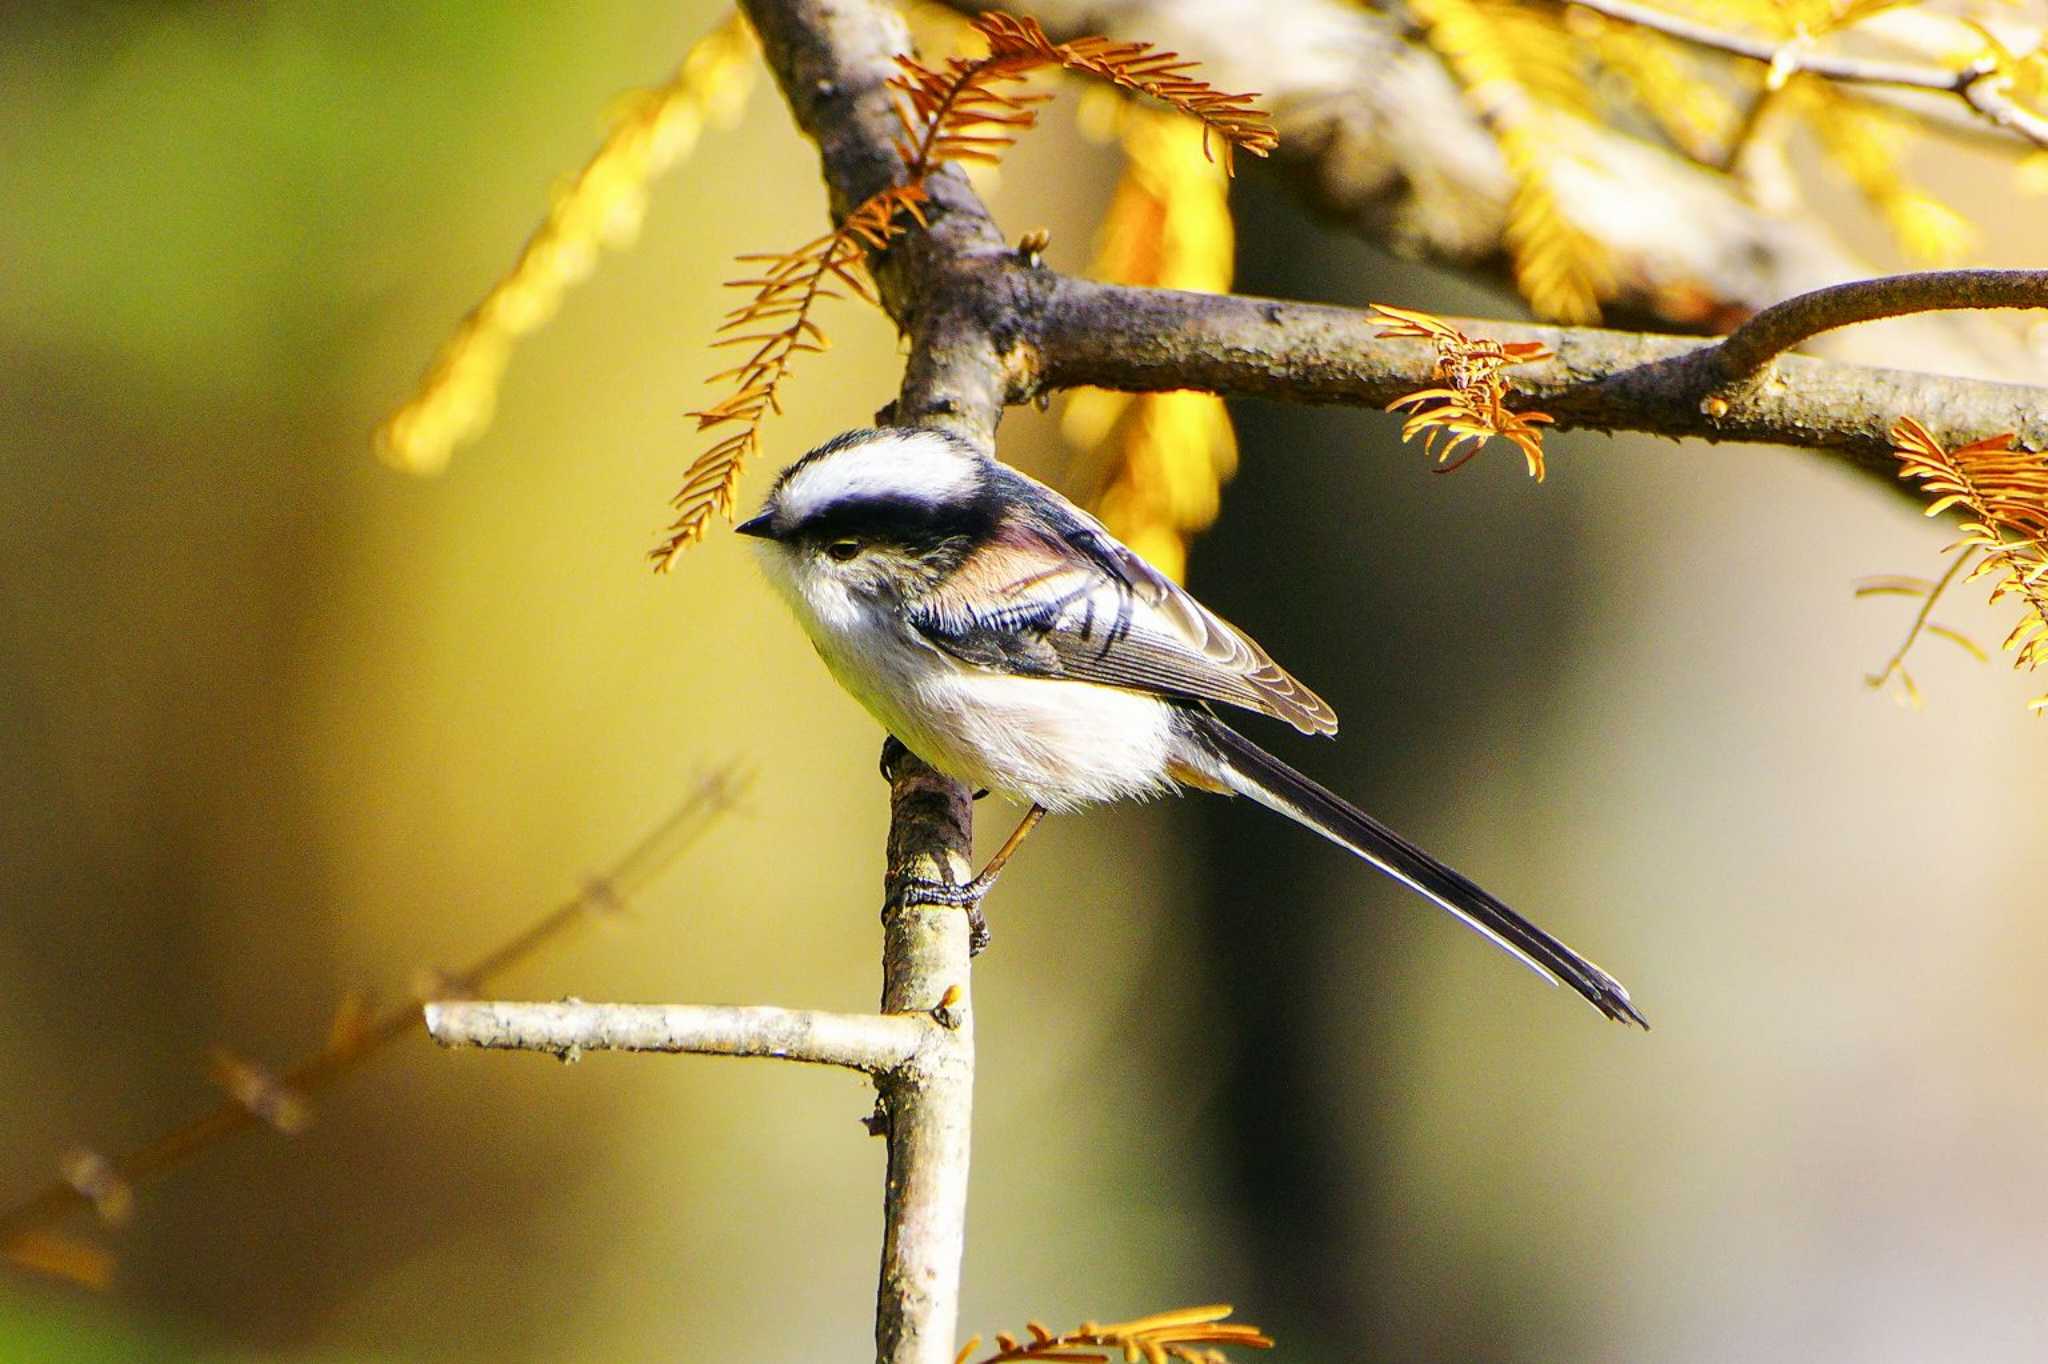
{"x": 281, "y": 723}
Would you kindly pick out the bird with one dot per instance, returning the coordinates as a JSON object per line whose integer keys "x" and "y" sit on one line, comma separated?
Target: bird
{"x": 1004, "y": 636}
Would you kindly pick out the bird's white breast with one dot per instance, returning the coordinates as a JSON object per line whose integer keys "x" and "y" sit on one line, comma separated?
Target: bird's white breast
{"x": 1052, "y": 741}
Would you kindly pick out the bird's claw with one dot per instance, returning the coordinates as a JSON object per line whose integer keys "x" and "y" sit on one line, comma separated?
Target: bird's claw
{"x": 916, "y": 891}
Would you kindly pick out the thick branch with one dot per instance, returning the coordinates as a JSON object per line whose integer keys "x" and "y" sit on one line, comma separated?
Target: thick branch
{"x": 874, "y": 1043}
{"x": 1142, "y": 339}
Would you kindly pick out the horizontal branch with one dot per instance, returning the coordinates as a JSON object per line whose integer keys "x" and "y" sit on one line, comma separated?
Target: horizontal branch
{"x": 1114, "y": 336}
{"x": 874, "y": 1043}
{"x": 1377, "y": 134}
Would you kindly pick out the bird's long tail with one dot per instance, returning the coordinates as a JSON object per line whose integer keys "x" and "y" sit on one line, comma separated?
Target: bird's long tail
{"x": 1249, "y": 770}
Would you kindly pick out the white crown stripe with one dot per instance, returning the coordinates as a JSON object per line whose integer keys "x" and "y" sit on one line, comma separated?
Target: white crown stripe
{"x": 921, "y": 465}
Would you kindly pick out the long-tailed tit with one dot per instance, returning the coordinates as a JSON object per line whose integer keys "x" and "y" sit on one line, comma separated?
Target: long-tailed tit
{"x": 1002, "y": 635}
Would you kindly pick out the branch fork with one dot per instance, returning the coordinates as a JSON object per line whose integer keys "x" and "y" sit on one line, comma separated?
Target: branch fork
{"x": 918, "y": 1048}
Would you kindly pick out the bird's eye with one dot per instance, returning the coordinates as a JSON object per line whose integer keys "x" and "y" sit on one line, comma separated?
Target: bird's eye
{"x": 842, "y": 550}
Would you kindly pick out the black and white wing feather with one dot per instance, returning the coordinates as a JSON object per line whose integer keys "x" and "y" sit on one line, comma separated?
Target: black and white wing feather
{"x": 1056, "y": 595}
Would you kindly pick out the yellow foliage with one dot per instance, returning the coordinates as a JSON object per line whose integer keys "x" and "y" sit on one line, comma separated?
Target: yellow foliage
{"x": 1153, "y": 464}
{"x": 1664, "y": 81}
{"x": 1515, "y": 81}
{"x": 1192, "y": 1335}
{"x": 601, "y": 207}
{"x": 1868, "y": 145}
{"x": 1471, "y": 408}
{"x": 2003, "y": 494}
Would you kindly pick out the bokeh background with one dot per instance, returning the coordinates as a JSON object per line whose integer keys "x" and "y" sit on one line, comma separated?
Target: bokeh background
{"x": 281, "y": 723}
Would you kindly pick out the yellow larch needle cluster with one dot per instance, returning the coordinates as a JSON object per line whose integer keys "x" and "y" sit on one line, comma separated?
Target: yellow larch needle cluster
{"x": 1153, "y": 464}
{"x": 1189, "y": 1335}
{"x": 963, "y": 111}
{"x": 1471, "y": 407}
{"x": 2003, "y": 494}
{"x": 601, "y": 206}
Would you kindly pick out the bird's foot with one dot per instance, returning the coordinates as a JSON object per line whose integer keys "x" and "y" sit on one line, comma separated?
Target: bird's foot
{"x": 916, "y": 891}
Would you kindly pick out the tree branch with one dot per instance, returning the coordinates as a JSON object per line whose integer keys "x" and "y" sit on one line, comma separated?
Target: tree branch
{"x": 1383, "y": 141}
{"x": 927, "y": 1111}
{"x": 986, "y": 329}
{"x": 1115, "y": 336}
{"x": 1784, "y": 325}
{"x": 919, "y": 1049}
{"x": 832, "y": 63}
{"x": 1975, "y": 82}
{"x": 873, "y": 1043}
{"x": 955, "y": 291}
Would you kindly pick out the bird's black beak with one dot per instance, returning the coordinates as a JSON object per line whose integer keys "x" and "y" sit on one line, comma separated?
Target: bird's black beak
{"x": 761, "y": 526}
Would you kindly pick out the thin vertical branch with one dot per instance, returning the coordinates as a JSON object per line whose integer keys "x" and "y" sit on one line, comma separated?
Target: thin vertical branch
{"x": 926, "y": 1110}
{"x": 920, "y": 1049}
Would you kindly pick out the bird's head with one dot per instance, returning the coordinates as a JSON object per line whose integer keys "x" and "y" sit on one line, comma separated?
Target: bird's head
{"x": 875, "y": 514}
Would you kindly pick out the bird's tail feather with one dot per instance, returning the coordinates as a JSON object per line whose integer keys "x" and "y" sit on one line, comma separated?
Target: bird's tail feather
{"x": 1251, "y": 771}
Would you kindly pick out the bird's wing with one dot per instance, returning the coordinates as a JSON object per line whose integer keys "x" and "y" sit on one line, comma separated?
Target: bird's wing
{"x": 1065, "y": 599}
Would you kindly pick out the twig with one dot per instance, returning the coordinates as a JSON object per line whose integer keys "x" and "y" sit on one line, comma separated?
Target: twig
{"x": 874, "y": 1043}
{"x": 1920, "y": 619}
{"x": 1793, "y": 56}
{"x": 919, "y": 1049}
{"x": 356, "y": 1039}
{"x": 1784, "y": 325}
{"x": 1978, "y": 83}
{"x": 1990, "y": 99}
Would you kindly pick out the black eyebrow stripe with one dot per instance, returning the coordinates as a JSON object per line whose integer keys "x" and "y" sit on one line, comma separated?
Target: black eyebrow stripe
{"x": 900, "y": 519}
